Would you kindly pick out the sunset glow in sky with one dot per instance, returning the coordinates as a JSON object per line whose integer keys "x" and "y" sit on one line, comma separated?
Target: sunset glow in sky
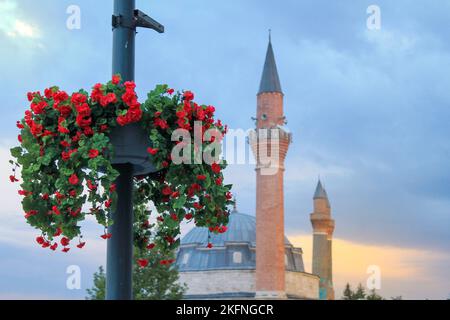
{"x": 368, "y": 110}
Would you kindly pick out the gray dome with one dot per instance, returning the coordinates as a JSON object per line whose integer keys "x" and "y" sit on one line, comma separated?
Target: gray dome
{"x": 234, "y": 249}
{"x": 241, "y": 229}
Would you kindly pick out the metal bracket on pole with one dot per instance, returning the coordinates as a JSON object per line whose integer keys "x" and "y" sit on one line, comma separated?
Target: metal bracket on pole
{"x": 140, "y": 19}
{"x": 144, "y": 21}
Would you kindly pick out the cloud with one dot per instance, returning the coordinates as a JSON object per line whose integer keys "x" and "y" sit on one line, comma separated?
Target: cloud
{"x": 14, "y": 27}
{"x": 368, "y": 110}
{"x": 402, "y": 268}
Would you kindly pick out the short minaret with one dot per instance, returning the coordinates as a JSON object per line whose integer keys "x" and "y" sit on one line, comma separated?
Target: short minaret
{"x": 270, "y": 142}
{"x": 323, "y": 227}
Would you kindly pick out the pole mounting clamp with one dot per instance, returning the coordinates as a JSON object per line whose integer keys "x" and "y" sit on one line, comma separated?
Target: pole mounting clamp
{"x": 119, "y": 21}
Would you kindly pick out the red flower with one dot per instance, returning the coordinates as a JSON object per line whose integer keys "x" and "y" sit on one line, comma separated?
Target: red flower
{"x": 174, "y": 217}
{"x": 46, "y": 244}
{"x": 65, "y": 144}
{"x": 215, "y": 168}
{"x": 13, "y": 179}
{"x": 93, "y": 153}
{"x": 108, "y": 203}
{"x": 62, "y": 129}
{"x": 65, "y": 241}
{"x": 142, "y": 262}
{"x": 130, "y": 85}
{"x": 170, "y": 91}
{"x": 197, "y": 206}
{"x": 97, "y": 92}
{"x": 219, "y": 181}
{"x": 152, "y": 151}
{"x": 108, "y": 99}
{"x": 209, "y": 245}
{"x": 54, "y": 246}
{"x": 165, "y": 164}
{"x": 60, "y": 96}
{"x": 112, "y": 188}
{"x": 73, "y": 180}
{"x": 160, "y": 219}
{"x": 78, "y": 99}
{"x": 188, "y": 216}
{"x": 166, "y": 191}
{"x": 106, "y": 236}
{"x": 210, "y": 110}
{"x": 81, "y": 245}
{"x": 58, "y": 232}
{"x": 83, "y": 121}
{"x": 45, "y": 196}
{"x": 91, "y": 186}
{"x": 170, "y": 239}
{"x": 151, "y": 246}
{"x": 48, "y": 93}
{"x": 56, "y": 210}
{"x": 39, "y": 107}
{"x": 175, "y": 194}
{"x": 201, "y": 177}
{"x": 19, "y": 125}
{"x": 65, "y": 110}
{"x": 116, "y": 79}
{"x": 30, "y": 96}
{"x": 122, "y": 120}
{"x": 59, "y": 196}
{"x": 75, "y": 213}
{"x": 24, "y": 193}
{"x": 65, "y": 250}
{"x": 73, "y": 193}
{"x": 65, "y": 156}
{"x": 19, "y": 137}
{"x": 40, "y": 240}
{"x": 161, "y": 123}
{"x": 181, "y": 114}
{"x": 222, "y": 229}
{"x": 188, "y": 96}
{"x": 88, "y": 131}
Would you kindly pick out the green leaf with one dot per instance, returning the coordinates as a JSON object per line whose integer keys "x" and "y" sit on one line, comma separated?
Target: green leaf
{"x": 179, "y": 202}
{"x": 16, "y": 152}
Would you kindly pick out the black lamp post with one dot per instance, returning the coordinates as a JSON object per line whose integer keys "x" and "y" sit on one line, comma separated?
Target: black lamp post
{"x": 130, "y": 158}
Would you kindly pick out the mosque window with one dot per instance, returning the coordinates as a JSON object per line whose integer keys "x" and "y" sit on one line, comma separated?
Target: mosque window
{"x": 237, "y": 257}
{"x": 185, "y": 258}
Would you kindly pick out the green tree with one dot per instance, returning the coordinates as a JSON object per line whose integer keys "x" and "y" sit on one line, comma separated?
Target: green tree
{"x": 154, "y": 282}
{"x": 348, "y": 293}
{"x": 360, "y": 293}
{"x": 97, "y": 292}
{"x": 373, "y": 295}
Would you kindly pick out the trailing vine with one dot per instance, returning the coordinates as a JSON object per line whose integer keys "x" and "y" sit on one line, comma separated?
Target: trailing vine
{"x": 65, "y": 156}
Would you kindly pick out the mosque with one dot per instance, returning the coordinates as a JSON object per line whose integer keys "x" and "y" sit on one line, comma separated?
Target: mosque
{"x": 254, "y": 259}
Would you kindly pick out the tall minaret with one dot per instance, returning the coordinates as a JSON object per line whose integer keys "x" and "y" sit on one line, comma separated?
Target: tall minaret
{"x": 270, "y": 142}
{"x": 323, "y": 227}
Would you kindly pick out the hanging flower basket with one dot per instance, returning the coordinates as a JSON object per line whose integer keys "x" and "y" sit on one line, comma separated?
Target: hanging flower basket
{"x": 70, "y": 143}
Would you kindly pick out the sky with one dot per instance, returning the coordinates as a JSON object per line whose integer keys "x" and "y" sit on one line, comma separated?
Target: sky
{"x": 368, "y": 110}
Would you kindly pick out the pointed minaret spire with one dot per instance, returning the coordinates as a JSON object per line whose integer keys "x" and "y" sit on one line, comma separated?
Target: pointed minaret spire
{"x": 320, "y": 192}
{"x": 270, "y": 82}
